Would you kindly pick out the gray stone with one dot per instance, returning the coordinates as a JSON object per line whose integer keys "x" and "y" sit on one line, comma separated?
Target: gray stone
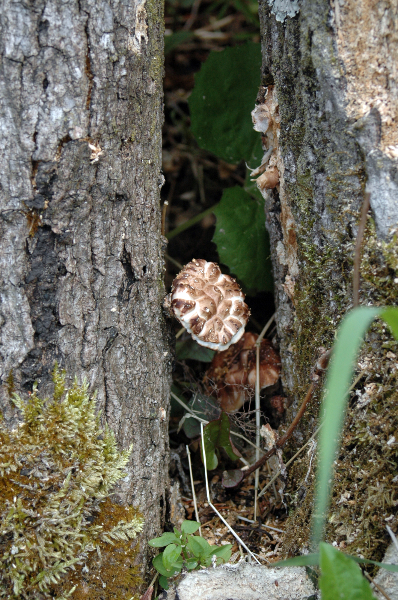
{"x": 245, "y": 582}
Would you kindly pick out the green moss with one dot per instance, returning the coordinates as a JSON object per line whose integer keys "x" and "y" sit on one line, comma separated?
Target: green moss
{"x": 10, "y": 383}
{"x": 56, "y": 472}
{"x": 365, "y": 491}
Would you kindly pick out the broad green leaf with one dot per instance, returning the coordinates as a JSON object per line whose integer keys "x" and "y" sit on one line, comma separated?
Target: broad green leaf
{"x": 170, "y": 555}
{"x": 390, "y": 316}
{"x": 224, "y": 95}
{"x": 242, "y": 239}
{"x": 198, "y": 546}
{"x": 349, "y": 339}
{"x": 341, "y": 577}
{"x": 190, "y": 526}
{"x": 164, "y": 540}
{"x": 159, "y": 566}
{"x": 222, "y": 552}
{"x": 163, "y": 582}
{"x": 191, "y": 564}
{"x": 216, "y": 435}
{"x": 187, "y": 348}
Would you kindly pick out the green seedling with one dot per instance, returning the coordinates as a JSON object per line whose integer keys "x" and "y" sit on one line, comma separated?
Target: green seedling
{"x": 185, "y": 550}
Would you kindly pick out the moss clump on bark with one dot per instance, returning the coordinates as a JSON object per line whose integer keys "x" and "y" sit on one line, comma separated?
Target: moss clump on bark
{"x": 58, "y": 527}
{"x": 365, "y": 487}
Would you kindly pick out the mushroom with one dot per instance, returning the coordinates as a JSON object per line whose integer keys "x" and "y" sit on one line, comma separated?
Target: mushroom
{"x": 233, "y": 372}
{"x": 209, "y": 305}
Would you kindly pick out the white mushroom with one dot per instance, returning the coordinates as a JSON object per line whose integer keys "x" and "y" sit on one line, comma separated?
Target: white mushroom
{"x": 209, "y": 305}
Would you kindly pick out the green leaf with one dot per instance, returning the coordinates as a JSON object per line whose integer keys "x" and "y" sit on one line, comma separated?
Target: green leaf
{"x": 390, "y": 316}
{"x": 190, "y": 526}
{"x": 191, "y": 564}
{"x": 170, "y": 555}
{"x": 222, "y": 552}
{"x": 341, "y": 577}
{"x": 164, "y": 540}
{"x": 159, "y": 566}
{"x": 224, "y": 95}
{"x": 216, "y": 435}
{"x": 163, "y": 582}
{"x": 349, "y": 339}
{"x": 204, "y": 407}
{"x": 299, "y": 561}
{"x": 189, "y": 349}
{"x": 198, "y": 546}
{"x": 242, "y": 239}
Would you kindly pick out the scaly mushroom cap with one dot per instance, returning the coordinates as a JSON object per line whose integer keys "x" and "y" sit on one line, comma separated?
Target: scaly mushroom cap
{"x": 209, "y": 305}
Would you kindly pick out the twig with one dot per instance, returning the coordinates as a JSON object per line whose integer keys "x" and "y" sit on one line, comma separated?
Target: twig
{"x": 164, "y": 211}
{"x": 265, "y": 488}
{"x": 358, "y": 247}
{"x": 192, "y": 17}
{"x": 320, "y": 367}
{"x": 289, "y": 462}
{"x": 262, "y": 524}
{"x": 189, "y": 410}
{"x": 174, "y": 262}
{"x": 257, "y": 407}
{"x": 193, "y": 489}
{"x": 180, "y": 332}
{"x": 213, "y": 507}
{"x": 392, "y": 536}
{"x": 368, "y": 577}
{"x": 190, "y": 222}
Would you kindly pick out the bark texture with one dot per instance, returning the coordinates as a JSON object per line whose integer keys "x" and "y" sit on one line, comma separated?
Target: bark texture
{"x": 81, "y": 255}
{"x": 335, "y": 79}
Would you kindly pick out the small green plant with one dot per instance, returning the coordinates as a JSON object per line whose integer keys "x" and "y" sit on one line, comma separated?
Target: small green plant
{"x": 185, "y": 550}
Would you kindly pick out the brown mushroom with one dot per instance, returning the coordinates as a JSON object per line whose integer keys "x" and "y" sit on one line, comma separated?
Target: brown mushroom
{"x": 209, "y": 304}
{"x": 233, "y": 372}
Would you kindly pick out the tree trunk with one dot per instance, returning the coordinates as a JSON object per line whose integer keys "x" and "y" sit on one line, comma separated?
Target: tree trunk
{"x": 80, "y": 245}
{"x": 334, "y": 72}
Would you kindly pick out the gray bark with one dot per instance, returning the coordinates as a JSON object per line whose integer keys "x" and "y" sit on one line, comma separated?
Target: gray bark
{"x": 81, "y": 255}
{"x": 335, "y": 76}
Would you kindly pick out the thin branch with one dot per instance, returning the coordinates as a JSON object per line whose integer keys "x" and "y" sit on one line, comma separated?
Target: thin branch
{"x": 275, "y": 477}
{"x": 368, "y": 577}
{"x": 189, "y": 410}
{"x": 358, "y": 248}
{"x": 172, "y": 234}
{"x": 193, "y": 489}
{"x": 214, "y": 508}
{"x": 174, "y": 262}
{"x": 320, "y": 367}
{"x": 164, "y": 211}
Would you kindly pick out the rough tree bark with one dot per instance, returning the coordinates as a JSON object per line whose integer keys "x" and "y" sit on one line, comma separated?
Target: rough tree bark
{"x": 334, "y": 71}
{"x": 81, "y": 255}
